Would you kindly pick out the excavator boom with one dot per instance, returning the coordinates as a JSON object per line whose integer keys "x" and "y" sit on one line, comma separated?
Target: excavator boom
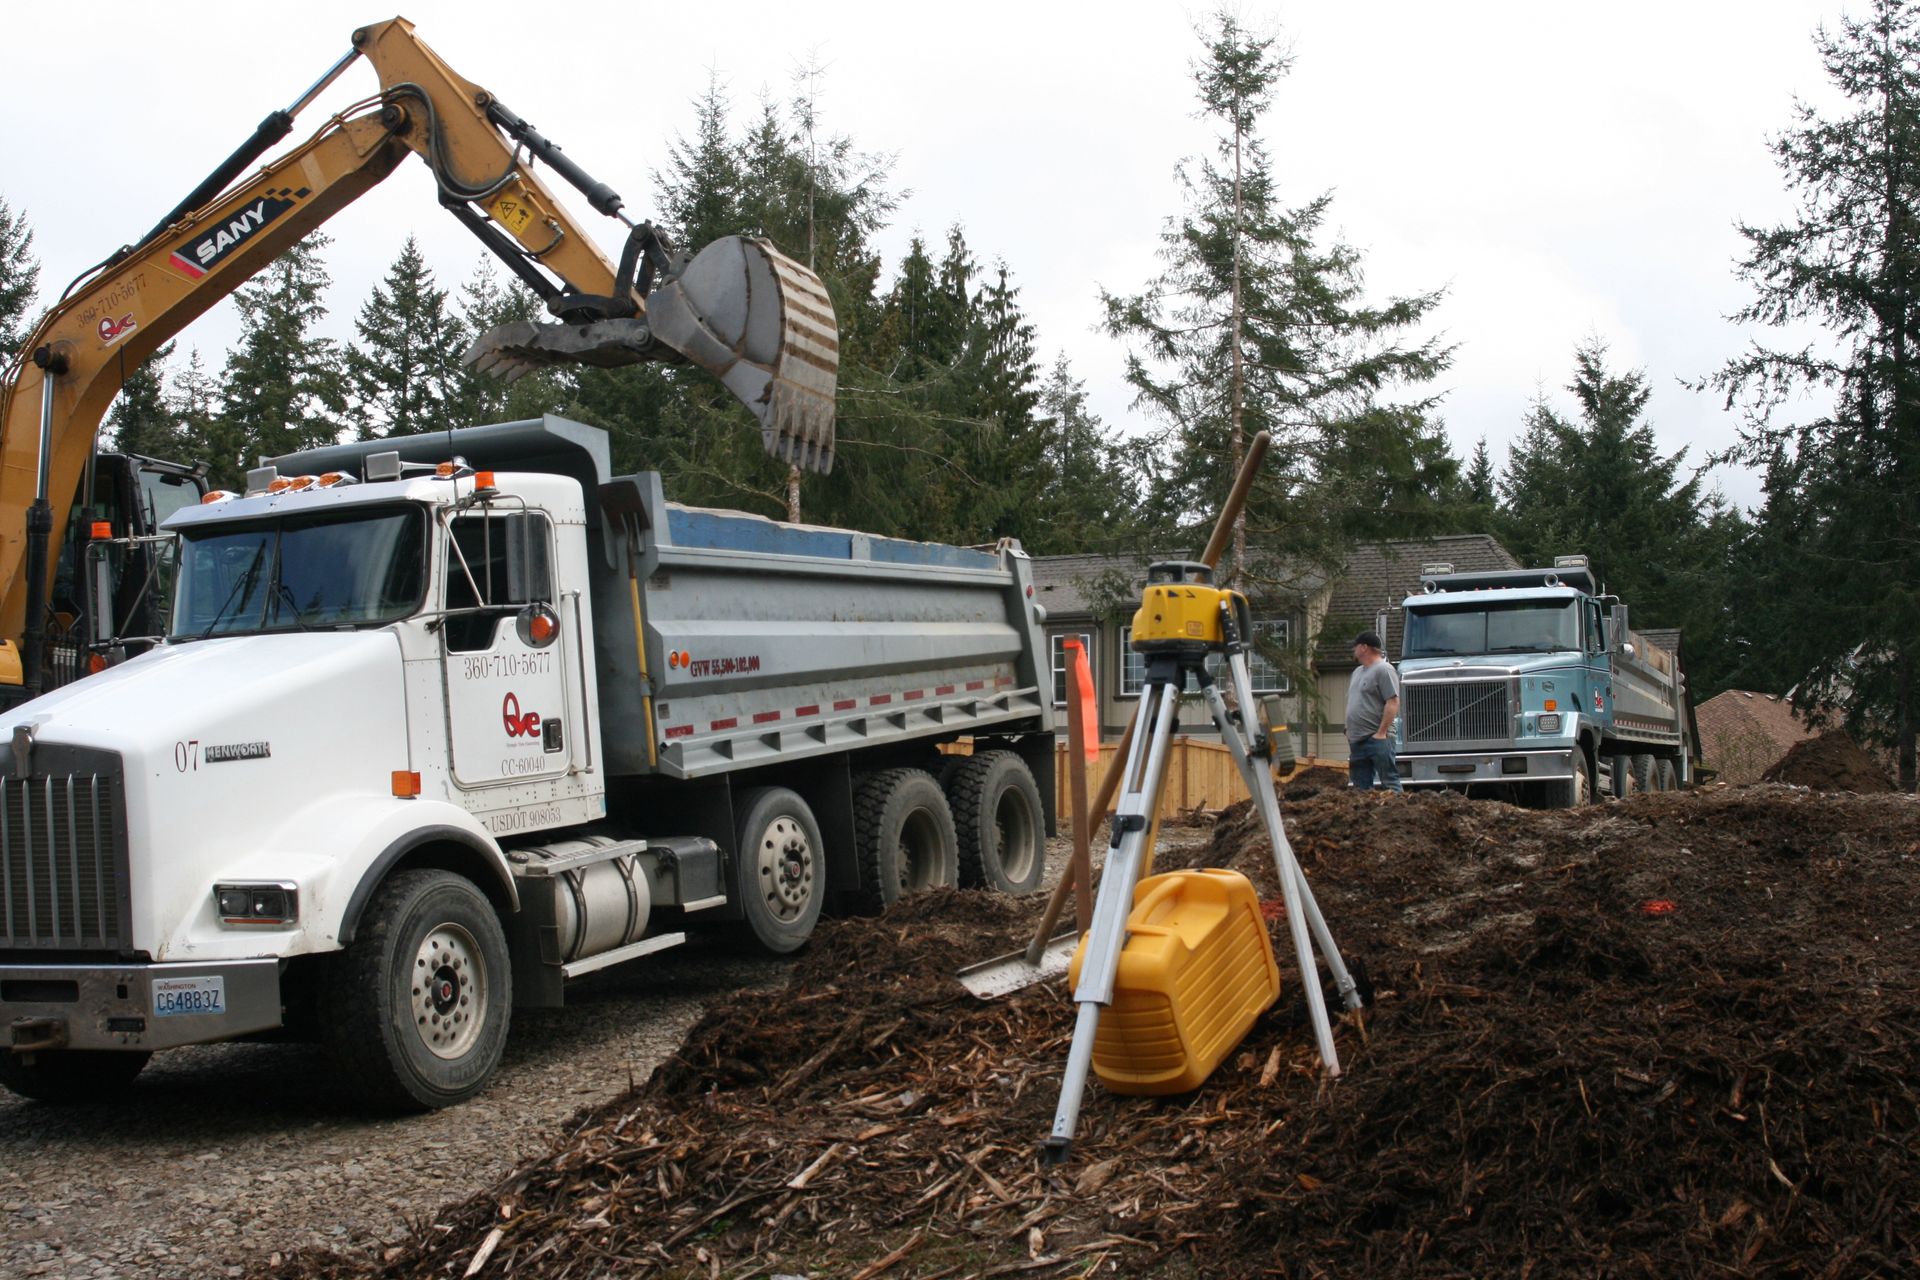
{"x": 757, "y": 320}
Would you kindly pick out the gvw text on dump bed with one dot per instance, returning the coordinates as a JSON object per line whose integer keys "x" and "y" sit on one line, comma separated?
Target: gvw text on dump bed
{"x": 443, "y": 722}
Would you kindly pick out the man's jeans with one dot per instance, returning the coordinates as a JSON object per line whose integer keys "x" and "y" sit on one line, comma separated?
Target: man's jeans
{"x": 1370, "y": 764}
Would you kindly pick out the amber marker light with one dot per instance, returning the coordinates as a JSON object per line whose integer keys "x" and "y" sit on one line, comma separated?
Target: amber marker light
{"x": 542, "y": 628}
{"x": 102, "y": 529}
{"x": 95, "y": 664}
{"x": 483, "y": 480}
{"x": 406, "y": 784}
{"x": 1551, "y": 705}
{"x": 444, "y": 469}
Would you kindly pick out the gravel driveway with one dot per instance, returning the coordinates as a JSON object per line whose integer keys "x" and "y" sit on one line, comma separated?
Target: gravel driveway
{"x": 225, "y": 1153}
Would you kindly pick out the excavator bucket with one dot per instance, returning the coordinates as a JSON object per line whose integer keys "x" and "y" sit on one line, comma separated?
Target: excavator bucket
{"x": 746, "y": 313}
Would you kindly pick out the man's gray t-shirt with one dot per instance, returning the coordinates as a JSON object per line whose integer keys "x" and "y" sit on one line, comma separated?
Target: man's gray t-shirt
{"x": 1367, "y": 696}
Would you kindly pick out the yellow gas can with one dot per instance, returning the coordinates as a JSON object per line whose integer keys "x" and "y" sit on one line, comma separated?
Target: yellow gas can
{"x": 1196, "y": 972}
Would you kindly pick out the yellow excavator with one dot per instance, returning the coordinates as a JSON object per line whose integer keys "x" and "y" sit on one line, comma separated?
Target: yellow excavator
{"x": 760, "y": 322}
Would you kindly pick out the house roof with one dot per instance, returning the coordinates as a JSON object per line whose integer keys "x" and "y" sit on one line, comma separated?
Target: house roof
{"x": 1743, "y": 733}
{"x": 1379, "y": 575}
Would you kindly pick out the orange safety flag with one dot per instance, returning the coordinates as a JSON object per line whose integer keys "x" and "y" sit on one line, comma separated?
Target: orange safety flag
{"x": 1080, "y": 699}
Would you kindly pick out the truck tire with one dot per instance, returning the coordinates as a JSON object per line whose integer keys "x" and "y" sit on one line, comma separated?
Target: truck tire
{"x": 71, "y": 1075}
{"x": 1573, "y": 793}
{"x": 779, "y": 868}
{"x": 904, "y": 837}
{"x": 1643, "y": 774}
{"x": 415, "y": 1010}
{"x": 999, "y": 822}
{"x": 1666, "y": 776}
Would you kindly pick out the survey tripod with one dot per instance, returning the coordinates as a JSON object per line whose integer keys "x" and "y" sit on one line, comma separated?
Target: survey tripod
{"x": 1183, "y": 621}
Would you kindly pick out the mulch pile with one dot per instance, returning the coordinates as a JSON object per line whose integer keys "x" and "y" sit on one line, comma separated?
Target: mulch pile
{"x": 1831, "y": 762}
{"x": 1677, "y": 1035}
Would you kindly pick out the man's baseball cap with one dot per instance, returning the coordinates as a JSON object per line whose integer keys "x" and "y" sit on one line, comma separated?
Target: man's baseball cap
{"x": 1371, "y": 639}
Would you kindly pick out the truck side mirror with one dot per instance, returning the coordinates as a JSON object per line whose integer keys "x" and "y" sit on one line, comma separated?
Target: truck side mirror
{"x": 1617, "y": 630}
{"x": 538, "y": 625}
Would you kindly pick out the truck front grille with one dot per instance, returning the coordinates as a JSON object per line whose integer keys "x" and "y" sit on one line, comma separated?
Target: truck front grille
{"x": 63, "y": 856}
{"x": 1457, "y": 711}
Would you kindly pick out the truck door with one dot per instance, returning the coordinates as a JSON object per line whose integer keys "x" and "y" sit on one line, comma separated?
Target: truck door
{"x": 506, "y": 687}
{"x": 1599, "y": 664}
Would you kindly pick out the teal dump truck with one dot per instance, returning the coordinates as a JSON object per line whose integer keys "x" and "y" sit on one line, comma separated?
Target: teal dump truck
{"x": 1530, "y": 684}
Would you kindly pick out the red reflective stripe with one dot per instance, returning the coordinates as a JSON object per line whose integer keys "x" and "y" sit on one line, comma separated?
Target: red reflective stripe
{"x": 914, "y": 695}
{"x": 846, "y": 704}
{"x": 974, "y": 686}
{"x": 943, "y": 691}
{"x": 1002, "y": 681}
{"x": 879, "y": 699}
{"x": 807, "y": 711}
{"x": 730, "y": 722}
{"x": 765, "y": 717}
{"x": 680, "y": 731}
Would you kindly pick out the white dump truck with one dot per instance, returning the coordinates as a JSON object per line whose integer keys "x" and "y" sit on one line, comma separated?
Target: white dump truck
{"x": 441, "y": 723}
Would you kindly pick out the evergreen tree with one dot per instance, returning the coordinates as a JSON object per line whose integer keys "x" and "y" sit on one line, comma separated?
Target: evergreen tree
{"x": 19, "y": 278}
{"x": 283, "y": 388}
{"x": 143, "y": 419}
{"x": 204, "y": 434}
{"x": 1480, "y": 478}
{"x": 1090, "y": 497}
{"x": 700, "y": 192}
{"x": 1600, "y": 486}
{"x": 1253, "y": 325}
{"x": 1843, "y": 498}
{"x": 405, "y": 368}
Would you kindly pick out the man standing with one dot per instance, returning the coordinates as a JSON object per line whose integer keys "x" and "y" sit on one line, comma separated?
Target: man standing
{"x": 1373, "y": 701}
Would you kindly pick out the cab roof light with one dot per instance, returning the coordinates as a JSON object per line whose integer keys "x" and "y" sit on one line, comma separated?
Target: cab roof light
{"x": 218, "y": 495}
{"x": 102, "y": 530}
{"x": 334, "y": 479}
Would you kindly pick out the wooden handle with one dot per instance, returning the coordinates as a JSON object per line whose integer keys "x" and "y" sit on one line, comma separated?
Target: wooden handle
{"x": 1242, "y": 485}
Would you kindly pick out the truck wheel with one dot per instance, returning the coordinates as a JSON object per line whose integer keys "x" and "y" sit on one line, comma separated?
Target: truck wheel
{"x": 415, "y": 1011}
{"x": 1643, "y": 775}
{"x": 904, "y": 835}
{"x": 71, "y": 1075}
{"x": 1574, "y": 793}
{"x": 1666, "y": 777}
{"x": 997, "y": 816}
{"x": 779, "y": 868}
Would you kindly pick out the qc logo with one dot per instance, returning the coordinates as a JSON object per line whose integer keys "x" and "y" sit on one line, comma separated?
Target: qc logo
{"x": 112, "y": 330}
{"x": 519, "y": 726}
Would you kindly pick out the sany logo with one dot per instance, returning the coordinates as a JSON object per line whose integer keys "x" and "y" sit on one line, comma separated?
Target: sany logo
{"x": 112, "y": 330}
{"x": 202, "y": 253}
{"x": 519, "y": 726}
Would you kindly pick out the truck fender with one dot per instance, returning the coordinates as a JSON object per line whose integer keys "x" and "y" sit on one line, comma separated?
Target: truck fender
{"x": 482, "y": 856}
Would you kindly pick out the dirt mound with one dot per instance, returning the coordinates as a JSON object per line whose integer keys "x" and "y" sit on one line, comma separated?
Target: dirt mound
{"x": 1830, "y": 762}
{"x": 1669, "y": 1036}
{"x": 1314, "y": 779}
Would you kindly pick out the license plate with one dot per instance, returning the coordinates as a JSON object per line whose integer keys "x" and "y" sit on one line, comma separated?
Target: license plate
{"x": 173, "y": 997}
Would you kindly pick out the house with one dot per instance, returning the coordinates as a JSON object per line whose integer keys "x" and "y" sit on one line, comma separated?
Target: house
{"x": 1743, "y": 733}
{"x": 1093, "y": 597}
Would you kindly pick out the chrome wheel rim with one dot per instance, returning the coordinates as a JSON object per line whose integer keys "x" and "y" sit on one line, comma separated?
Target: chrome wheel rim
{"x": 449, "y": 984}
{"x": 785, "y": 864}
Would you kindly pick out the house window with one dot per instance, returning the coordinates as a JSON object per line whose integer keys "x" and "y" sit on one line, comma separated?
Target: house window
{"x": 1057, "y": 642}
{"x": 1267, "y": 676}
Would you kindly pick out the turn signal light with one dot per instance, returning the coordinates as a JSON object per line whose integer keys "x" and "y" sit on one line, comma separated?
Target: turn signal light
{"x": 102, "y": 529}
{"x": 444, "y": 470}
{"x": 406, "y": 784}
{"x": 1552, "y": 705}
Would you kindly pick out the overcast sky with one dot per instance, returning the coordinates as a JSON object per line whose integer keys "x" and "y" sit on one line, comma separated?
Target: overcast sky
{"x": 1562, "y": 171}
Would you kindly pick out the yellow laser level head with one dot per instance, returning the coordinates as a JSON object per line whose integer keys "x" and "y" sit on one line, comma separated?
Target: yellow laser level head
{"x": 1180, "y": 610}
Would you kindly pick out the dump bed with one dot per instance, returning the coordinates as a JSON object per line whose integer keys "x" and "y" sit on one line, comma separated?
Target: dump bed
{"x": 766, "y": 641}
{"x": 1649, "y": 694}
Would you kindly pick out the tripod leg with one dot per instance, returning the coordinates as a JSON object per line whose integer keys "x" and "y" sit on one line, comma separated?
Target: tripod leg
{"x": 1293, "y": 885}
{"x": 1132, "y": 822}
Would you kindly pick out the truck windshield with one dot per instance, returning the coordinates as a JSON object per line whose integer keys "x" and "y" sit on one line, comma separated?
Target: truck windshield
{"x": 1446, "y": 631}
{"x": 363, "y": 567}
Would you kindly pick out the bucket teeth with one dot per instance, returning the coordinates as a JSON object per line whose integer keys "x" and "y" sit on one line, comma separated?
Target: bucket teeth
{"x": 743, "y": 311}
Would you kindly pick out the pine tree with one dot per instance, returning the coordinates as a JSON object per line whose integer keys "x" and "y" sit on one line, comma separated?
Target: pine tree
{"x": 206, "y": 435}
{"x": 486, "y": 300}
{"x": 1254, "y": 326}
{"x": 143, "y": 419}
{"x": 19, "y": 278}
{"x": 1845, "y": 482}
{"x": 405, "y": 368}
{"x": 1090, "y": 497}
{"x": 700, "y": 191}
{"x": 1480, "y": 478}
{"x": 282, "y": 388}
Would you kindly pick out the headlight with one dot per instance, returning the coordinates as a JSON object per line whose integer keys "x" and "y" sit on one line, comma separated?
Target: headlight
{"x": 1549, "y": 722}
{"x": 257, "y": 902}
